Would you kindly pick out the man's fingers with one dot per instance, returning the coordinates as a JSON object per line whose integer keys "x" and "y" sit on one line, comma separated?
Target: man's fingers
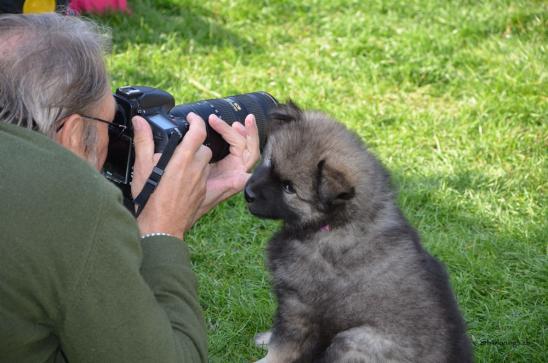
{"x": 240, "y": 136}
{"x": 227, "y": 132}
{"x": 252, "y": 132}
{"x": 191, "y": 147}
{"x": 240, "y": 128}
{"x": 252, "y": 140}
{"x": 142, "y": 138}
{"x": 196, "y": 134}
{"x": 204, "y": 154}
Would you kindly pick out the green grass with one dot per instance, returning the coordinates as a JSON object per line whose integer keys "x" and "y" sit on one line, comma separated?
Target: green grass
{"x": 451, "y": 95}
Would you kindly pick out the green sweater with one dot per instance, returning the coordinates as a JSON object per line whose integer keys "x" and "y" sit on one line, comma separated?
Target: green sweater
{"x": 75, "y": 278}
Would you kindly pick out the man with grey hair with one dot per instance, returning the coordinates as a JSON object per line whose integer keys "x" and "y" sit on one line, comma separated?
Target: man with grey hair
{"x": 80, "y": 279}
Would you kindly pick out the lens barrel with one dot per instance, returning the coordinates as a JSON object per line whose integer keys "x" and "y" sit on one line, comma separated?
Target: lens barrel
{"x": 230, "y": 109}
{"x": 159, "y": 110}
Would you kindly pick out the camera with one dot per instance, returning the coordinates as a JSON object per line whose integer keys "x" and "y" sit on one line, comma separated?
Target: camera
{"x": 158, "y": 108}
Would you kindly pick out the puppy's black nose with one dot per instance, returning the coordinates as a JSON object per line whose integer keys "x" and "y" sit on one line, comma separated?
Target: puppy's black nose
{"x": 249, "y": 195}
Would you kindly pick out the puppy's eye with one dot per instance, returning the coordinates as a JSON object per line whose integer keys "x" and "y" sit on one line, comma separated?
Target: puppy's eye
{"x": 287, "y": 187}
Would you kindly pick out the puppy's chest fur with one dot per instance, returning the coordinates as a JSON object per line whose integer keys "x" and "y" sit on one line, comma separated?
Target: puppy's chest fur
{"x": 311, "y": 267}
{"x": 341, "y": 279}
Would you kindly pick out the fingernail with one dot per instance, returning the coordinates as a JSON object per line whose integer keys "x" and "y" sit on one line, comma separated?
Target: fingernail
{"x": 137, "y": 123}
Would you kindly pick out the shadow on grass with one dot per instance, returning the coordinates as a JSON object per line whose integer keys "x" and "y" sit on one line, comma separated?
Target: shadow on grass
{"x": 169, "y": 21}
{"x": 497, "y": 269}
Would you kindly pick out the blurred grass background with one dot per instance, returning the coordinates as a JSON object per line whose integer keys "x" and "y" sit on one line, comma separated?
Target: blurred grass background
{"x": 451, "y": 95}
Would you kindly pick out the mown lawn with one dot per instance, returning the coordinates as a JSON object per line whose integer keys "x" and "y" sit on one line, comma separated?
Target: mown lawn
{"x": 452, "y": 96}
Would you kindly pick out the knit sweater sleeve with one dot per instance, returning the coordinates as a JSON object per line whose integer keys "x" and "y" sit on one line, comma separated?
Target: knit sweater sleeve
{"x": 133, "y": 300}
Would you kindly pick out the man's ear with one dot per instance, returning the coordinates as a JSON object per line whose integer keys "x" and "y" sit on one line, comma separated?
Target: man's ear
{"x": 333, "y": 186}
{"x": 71, "y": 135}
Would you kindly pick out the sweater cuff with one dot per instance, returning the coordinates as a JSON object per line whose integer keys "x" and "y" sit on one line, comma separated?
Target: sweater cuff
{"x": 164, "y": 250}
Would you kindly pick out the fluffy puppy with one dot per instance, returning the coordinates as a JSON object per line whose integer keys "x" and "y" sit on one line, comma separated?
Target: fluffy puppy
{"x": 351, "y": 279}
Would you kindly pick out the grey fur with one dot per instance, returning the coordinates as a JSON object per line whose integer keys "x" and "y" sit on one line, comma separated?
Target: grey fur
{"x": 365, "y": 290}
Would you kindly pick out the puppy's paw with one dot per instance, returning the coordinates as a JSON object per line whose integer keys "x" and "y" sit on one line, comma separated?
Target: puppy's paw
{"x": 262, "y": 340}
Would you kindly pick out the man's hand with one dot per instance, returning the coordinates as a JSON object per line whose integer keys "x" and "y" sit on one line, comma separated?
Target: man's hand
{"x": 229, "y": 175}
{"x": 174, "y": 205}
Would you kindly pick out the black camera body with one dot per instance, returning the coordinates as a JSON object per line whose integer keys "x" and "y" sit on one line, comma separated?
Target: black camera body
{"x": 158, "y": 108}
{"x": 154, "y": 106}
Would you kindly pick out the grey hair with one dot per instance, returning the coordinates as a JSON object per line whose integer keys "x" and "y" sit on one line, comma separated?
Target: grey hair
{"x": 51, "y": 66}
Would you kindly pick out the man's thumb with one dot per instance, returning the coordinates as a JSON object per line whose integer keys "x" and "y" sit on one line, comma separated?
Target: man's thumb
{"x": 142, "y": 138}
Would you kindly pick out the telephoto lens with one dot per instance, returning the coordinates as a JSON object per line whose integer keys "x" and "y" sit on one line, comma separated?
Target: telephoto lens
{"x": 158, "y": 108}
{"x": 230, "y": 109}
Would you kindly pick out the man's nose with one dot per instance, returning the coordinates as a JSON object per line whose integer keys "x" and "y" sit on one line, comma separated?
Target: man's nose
{"x": 249, "y": 195}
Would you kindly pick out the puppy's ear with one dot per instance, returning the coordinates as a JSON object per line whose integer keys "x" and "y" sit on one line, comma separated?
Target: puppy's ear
{"x": 333, "y": 186}
{"x": 284, "y": 113}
